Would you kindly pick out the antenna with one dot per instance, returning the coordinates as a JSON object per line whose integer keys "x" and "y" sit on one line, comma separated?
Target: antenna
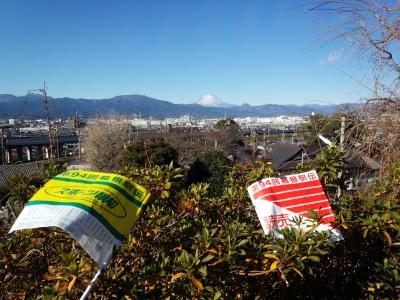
{"x": 46, "y": 111}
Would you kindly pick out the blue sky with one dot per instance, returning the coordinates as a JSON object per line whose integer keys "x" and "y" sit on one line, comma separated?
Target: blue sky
{"x": 255, "y": 52}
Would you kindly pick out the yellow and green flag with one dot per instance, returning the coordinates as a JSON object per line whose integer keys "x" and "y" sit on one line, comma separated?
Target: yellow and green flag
{"x": 97, "y": 209}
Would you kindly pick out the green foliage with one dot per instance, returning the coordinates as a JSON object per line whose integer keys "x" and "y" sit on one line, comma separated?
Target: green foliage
{"x": 211, "y": 167}
{"x": 148, "y": 153}
{"x": 159, "y": 180}
{"x": 21, "y": 187}
{"x": 3, "y": 192}
{"x": 189, "y": 244}
{"x": 227, "y": 134}
{"x": 329, "y": 164}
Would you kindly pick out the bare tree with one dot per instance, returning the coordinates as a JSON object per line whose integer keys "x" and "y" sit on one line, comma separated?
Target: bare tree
{"x": 103, "y": 142}
{"x": 372, "y": 29}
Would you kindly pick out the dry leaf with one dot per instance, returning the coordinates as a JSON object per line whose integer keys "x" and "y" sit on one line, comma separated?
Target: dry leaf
{"x": 151, "y": 232}
{"x": 197, "y": 283}
{"x": 71, "y": 283}
{"x": 217, "y": 262}
{"x": 274, "y": 265}
{"x": 86, "y": 269}
{"x": 62, "y": 287}
{"x": 52, "y": 269}
{"x": 213, "y": 251}
{"x": 176, "y": 276}
{"x": 49, "y": 277}
{"x": 178, "y": 248}
{"x": 19, "y": 295}
{"x": 118, "y": 272}
{"x": 24, "y": 264}
{"x": 269, "y": 255}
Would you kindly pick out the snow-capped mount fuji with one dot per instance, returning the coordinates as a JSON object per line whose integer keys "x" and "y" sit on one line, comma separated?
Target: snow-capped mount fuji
{"x": 212, "y": 101}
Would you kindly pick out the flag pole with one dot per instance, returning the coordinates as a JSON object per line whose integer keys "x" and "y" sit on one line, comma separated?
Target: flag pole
{"x": 95, "y": 277}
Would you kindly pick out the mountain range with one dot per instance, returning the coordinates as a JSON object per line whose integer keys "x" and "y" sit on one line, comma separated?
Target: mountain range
{"x": 32, "y": 106}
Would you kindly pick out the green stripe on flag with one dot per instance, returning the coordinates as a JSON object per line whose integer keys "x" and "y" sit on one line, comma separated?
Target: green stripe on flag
{"x": 90, "y": 210}
{"x": 114, "y": 186}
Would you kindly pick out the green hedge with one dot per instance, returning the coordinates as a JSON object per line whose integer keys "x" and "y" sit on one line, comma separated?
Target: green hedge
{"x": 189, "y": 244}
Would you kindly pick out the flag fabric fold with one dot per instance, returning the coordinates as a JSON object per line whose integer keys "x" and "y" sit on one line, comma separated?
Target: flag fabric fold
{"x": 278, "y": 199}
{"x": 95, "y": 208}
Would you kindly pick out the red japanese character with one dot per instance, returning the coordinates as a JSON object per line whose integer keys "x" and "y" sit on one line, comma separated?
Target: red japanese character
{"x": 284, "y": 180}
{"x": 270, "y": 221}
{"x": 283, "y": 220}
{"x": 275, "y": 181}
{"x": 267, "y": 182}
{"x": 312, "y": 176}
{"x": 302, "y": 178}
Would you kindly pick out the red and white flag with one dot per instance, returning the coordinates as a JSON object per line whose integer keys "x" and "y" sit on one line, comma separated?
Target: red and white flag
{"x": 278, "y": 199}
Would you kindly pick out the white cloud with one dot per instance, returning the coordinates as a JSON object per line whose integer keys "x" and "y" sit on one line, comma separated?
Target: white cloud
{"x": 333, "y": 58}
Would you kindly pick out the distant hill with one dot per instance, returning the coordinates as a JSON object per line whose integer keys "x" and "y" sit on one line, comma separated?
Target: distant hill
{"x": 32, "y": 107}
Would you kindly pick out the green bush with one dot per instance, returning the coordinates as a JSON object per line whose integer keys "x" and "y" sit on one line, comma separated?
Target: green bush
{"x": 189, "y": 244}
{"x": 148, "y": 153}
{"x": 210, "y": 167}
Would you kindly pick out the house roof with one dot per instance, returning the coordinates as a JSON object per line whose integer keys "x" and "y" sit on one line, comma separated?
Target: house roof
{"x": 287, "y": 156}
{"x": 281, "y": 153}
{"x": 357, "y": 161}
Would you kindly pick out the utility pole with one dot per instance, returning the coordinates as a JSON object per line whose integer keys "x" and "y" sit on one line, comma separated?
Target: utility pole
{"x": 342, "y": 128}
{"x": 79, "y": 134}
{"x": 2, "y": 147}
{"x": 57, "y": 137}
{"x": 265, "y": 140}
{"x": 46, "y": 110}
{"x": 283, "y": 135}
{"x": 254, "y": 134}
{"x": 3, "y": 150}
